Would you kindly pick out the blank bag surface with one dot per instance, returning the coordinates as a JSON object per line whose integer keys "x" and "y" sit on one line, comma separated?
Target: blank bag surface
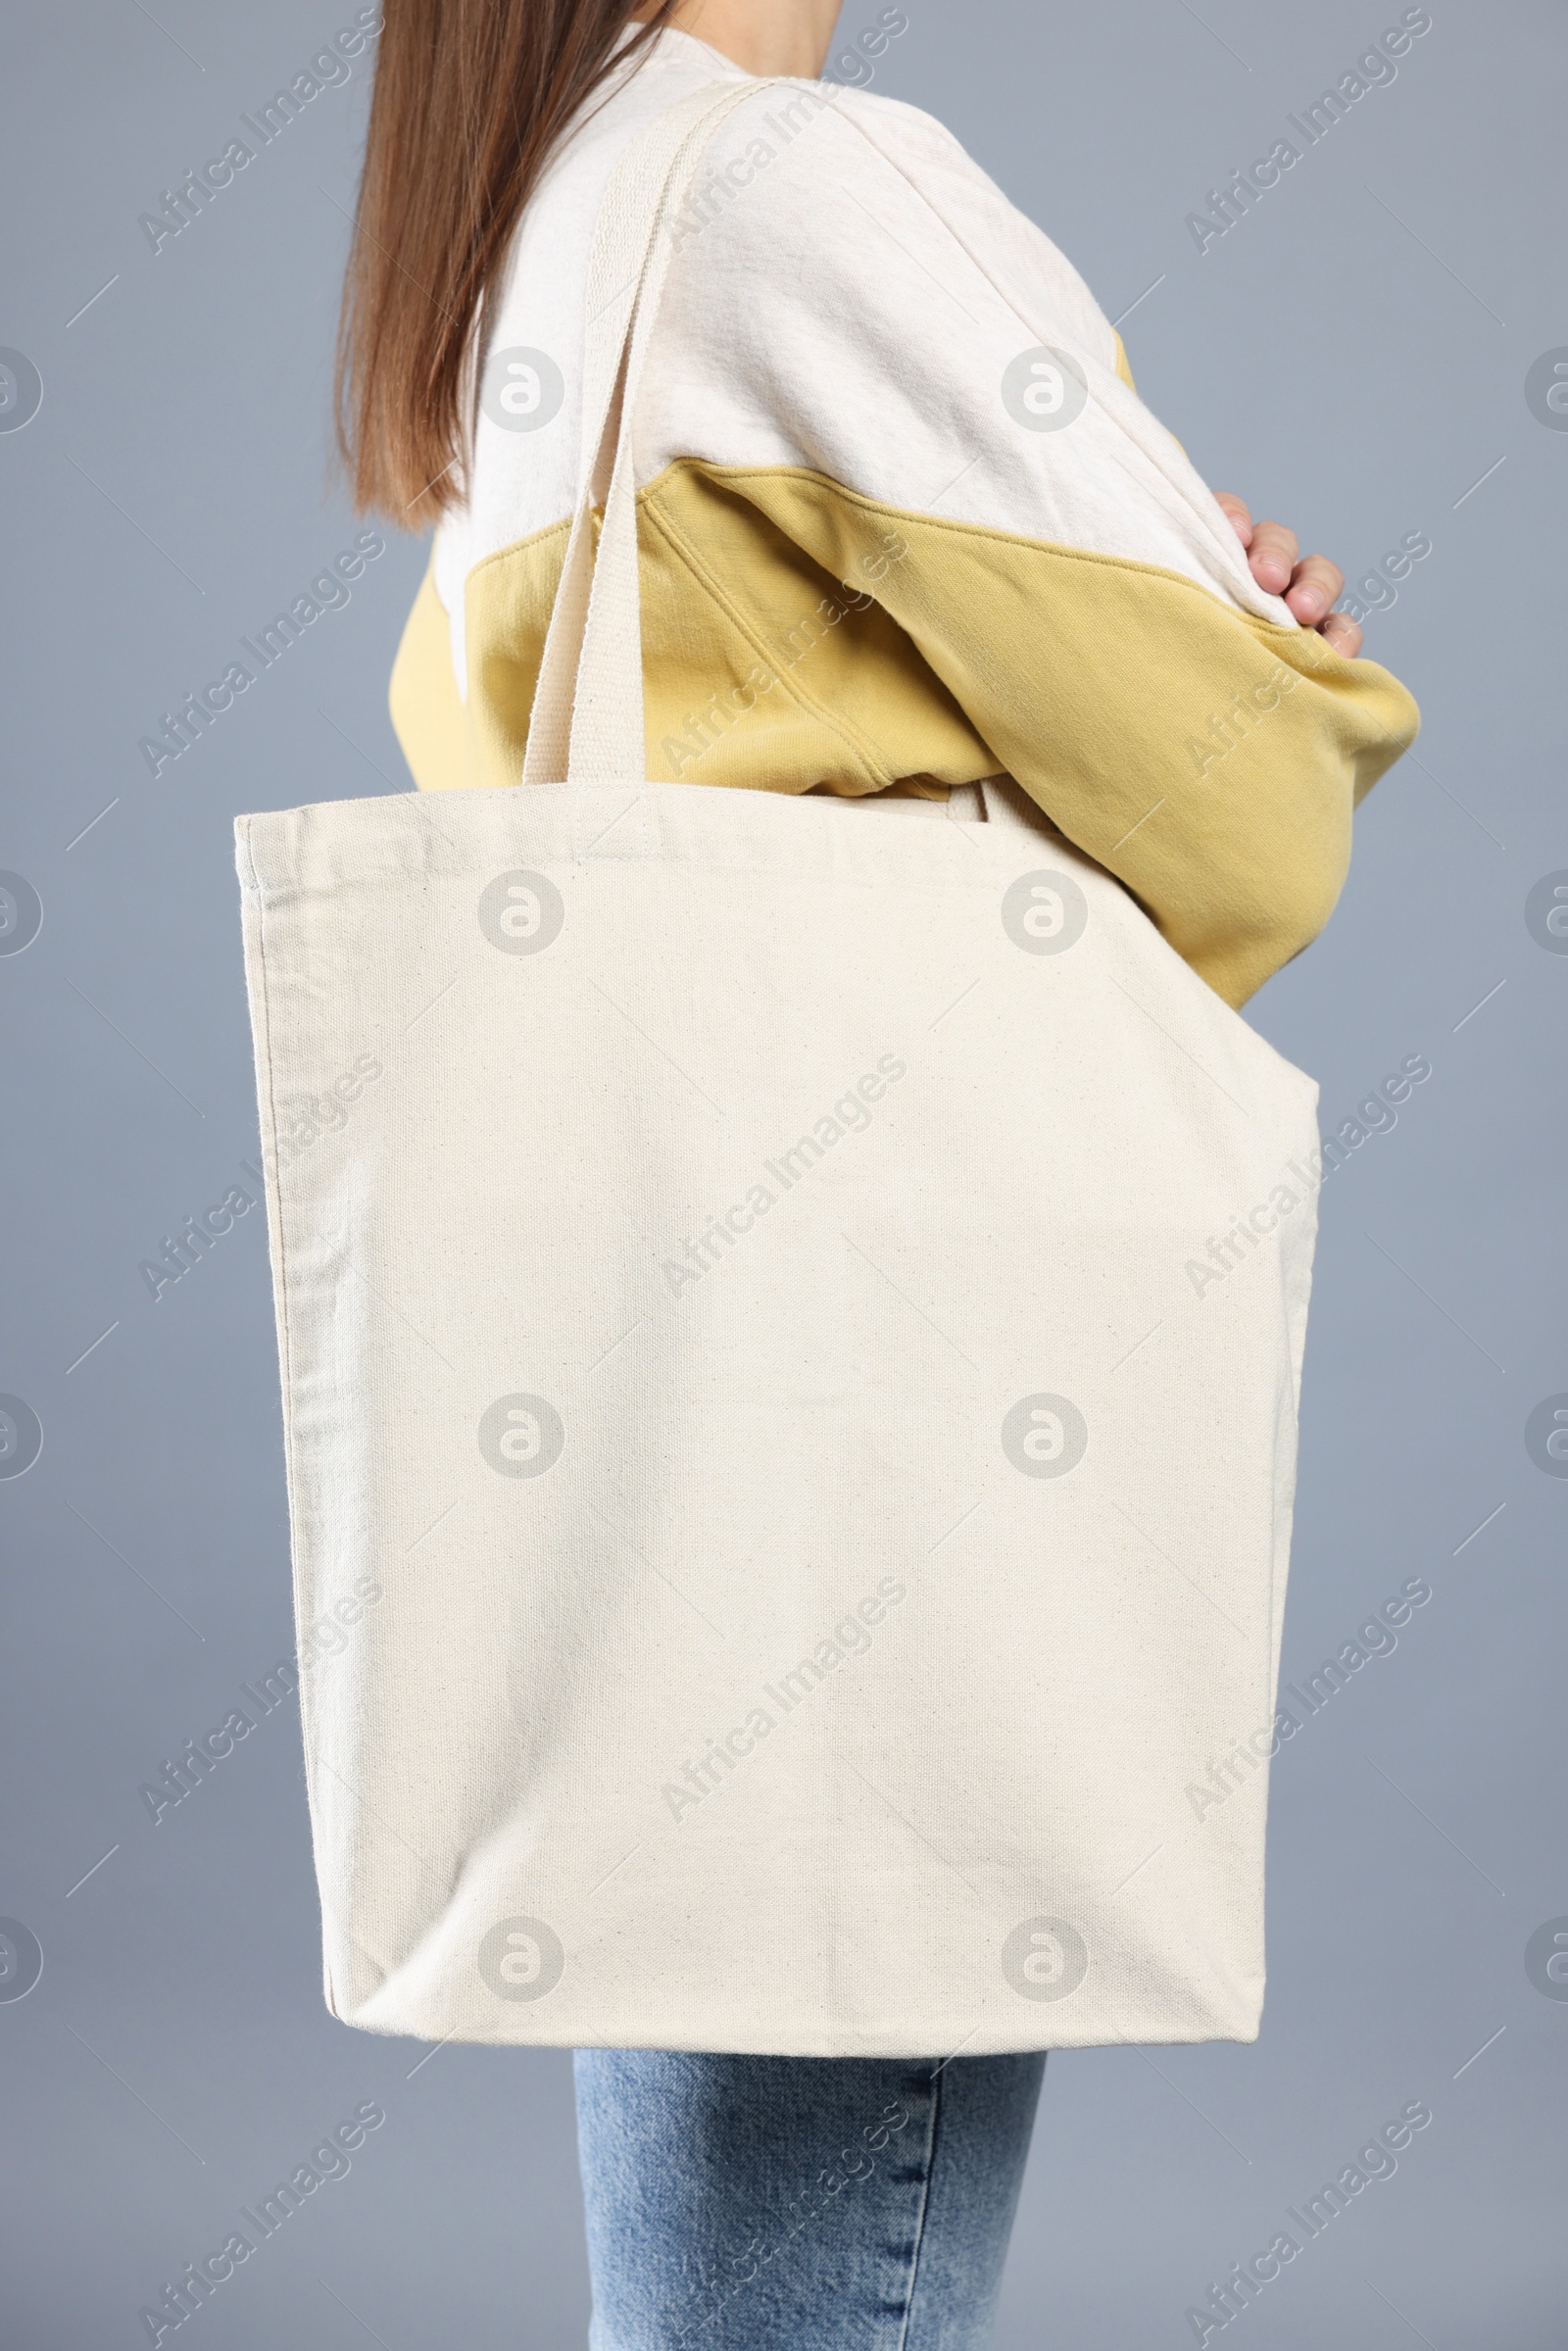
{"x": 791, "y": 1316}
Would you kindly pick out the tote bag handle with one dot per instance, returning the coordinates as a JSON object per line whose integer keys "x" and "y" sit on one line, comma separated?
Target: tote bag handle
{"x": 587, "y": 722}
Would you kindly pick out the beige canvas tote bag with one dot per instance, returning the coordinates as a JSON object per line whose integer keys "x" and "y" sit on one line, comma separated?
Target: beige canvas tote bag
{"x": 788, "y": 1551}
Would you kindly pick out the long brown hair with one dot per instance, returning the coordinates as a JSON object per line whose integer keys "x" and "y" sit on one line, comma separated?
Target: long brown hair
{"x": 469, "y": 98}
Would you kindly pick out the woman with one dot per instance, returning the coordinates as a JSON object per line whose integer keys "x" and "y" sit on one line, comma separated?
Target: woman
{"x": 879, "y": 565}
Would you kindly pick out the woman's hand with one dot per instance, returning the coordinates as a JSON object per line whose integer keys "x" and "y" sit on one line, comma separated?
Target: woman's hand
{"x": 1308, "y": 585}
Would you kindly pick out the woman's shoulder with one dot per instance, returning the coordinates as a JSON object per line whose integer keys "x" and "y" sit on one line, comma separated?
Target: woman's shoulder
{"x": 851, "y": 297}
{"x": 909, "y": 133}
{"x": 816, "y": 188}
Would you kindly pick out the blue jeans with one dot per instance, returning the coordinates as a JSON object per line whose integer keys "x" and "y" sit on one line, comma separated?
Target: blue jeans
{"x": 798, "y": 2203}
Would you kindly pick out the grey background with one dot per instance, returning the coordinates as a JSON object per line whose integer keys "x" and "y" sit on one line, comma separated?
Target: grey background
{"x": 1351, "y": 358}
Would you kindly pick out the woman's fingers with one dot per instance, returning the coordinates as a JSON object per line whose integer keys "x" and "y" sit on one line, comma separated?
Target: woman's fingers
{"x": 1237, "y": 510}
{"x": 1272, "y": 555}
{"x": 1308, "y": 584}
{"x": 1314, "y": 585}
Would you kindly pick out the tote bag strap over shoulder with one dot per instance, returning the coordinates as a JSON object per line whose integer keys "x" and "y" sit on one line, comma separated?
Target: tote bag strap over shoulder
{"x": 587, "y": 721}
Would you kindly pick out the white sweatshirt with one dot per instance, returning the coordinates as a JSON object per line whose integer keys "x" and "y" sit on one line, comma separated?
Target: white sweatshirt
{"x": 902, "y": 522}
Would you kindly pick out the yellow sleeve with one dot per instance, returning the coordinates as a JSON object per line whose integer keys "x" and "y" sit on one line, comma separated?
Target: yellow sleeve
{"x": 427, "y": 711}
{"x": 1207, "y": 758}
